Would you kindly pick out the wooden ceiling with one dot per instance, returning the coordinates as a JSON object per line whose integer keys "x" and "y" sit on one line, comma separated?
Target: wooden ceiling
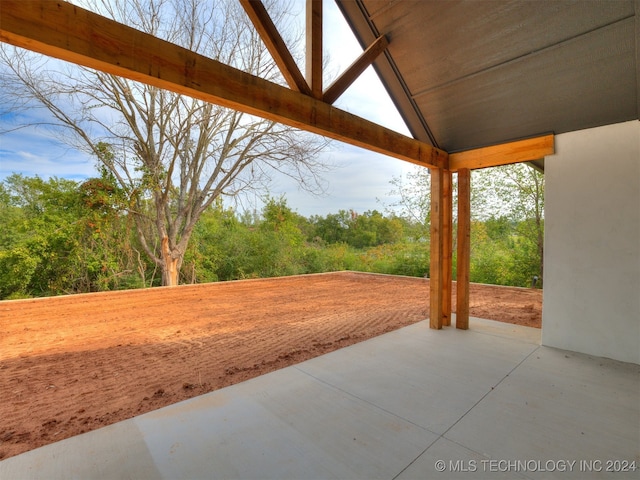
{"x": 466, "y": 74}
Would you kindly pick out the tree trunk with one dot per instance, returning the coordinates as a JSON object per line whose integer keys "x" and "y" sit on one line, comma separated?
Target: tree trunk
{"x": 170, "y": 265}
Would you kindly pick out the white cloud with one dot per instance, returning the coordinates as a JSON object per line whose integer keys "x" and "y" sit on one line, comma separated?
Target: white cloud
{"x": 359, "y": 182}
{"x": 32, "y": 151}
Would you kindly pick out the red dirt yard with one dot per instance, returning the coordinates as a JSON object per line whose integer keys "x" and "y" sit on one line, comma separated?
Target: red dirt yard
{"x": 72, "y": 364}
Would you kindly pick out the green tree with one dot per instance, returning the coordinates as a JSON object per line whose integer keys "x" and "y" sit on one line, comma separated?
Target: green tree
{"x": 507, "y": 206}
{"x": 372, "y": 228}
{"x": 492, "y": 256}
{"x": 331, "y": 229}
{"x": 517, "y": 193}
{"x": 282, "y": 240}
{"x": 111, "y": 258}
{"x": 60, "y": 236}
{"x": 358, "y": 230}
{"x": 414, "y": 203}
{"x": 213, "y": 251}
{"x": 226, "y": 247}
{"x": 40, "y": 252}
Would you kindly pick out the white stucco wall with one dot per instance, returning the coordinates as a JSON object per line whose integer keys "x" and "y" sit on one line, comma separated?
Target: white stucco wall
{"x": 592, "y": 243}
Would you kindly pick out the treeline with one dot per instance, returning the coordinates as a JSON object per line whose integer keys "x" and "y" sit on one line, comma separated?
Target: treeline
{"x": 59, "y": 236}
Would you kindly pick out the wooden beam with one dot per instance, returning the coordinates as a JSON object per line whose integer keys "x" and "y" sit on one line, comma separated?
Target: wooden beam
{"x": 447, "y": 245}
{"x": 464, "y": 248}
{"x": 275, "y": 44}
{"x": 436, "y": 257}
{"x": 314, "y": 47}
{"x": 345, "y": 80}
{"x": 67, "y": 32}
{"x": 506, "y": 153}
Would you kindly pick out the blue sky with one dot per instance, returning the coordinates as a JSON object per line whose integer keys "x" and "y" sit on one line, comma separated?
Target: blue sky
{"x": 359, "y": 180}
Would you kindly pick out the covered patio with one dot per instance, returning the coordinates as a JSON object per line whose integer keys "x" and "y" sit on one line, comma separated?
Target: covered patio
{"x": 490, "y": 402}
{"x": 509, "y": 82}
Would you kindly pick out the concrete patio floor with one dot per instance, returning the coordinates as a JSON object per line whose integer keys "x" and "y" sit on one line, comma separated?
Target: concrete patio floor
{"x": 489, "y": 402}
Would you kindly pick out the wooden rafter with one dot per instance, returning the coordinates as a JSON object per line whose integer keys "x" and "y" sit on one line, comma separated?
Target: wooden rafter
{"x": 67, "y": 32}
{"x": 503, "y": 154}
{"x": 275, "y": 44}
{"x": 339, "y": 86}
{"x": 314, "y": 47}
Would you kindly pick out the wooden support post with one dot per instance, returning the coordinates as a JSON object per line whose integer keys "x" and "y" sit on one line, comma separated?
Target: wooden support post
{"x": 435, "y": 268}
{"x": 464, "y": 248}
{"x": 447, "y": 246}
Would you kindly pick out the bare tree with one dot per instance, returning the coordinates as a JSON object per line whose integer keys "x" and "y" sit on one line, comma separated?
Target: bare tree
{"x": 173, "y": 155}
{"x": 414, "y": 198}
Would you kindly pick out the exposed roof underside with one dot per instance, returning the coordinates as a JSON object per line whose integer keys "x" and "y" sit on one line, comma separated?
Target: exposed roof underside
{"x": 465, "y": 74}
